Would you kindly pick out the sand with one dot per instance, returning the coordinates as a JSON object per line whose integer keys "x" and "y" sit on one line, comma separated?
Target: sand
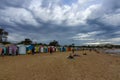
{"x": 57, "y": 66}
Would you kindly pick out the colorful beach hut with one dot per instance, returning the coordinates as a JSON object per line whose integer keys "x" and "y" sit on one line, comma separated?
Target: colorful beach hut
{"x": 59, "y": 49}
{"x": 41, "y": 49}
{"x": 2, "y": 50}
{"x": 13, "y": 49}
{"x": 56, "y": 48}
{"x": 37, "y": 49}
{"x": 30, "y": 49}
{"x": 21, "y": 49}
{"x": 69, "y": 49}
{"x": 45, "y": 49}
{"x": 53, "y": 49}
{"x": 63, "y": 49}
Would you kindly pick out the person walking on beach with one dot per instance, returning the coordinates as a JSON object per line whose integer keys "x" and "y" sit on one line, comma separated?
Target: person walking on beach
{"x": 73, "y": 50}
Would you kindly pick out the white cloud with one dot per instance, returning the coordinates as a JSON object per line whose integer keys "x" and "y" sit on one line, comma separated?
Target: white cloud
{"x": 20, "y": 16}
{"x": 87, "y": 36}
{"x": 70, "y": 15}
{"x": 49, "y": 11}
{"x": 97, "y": 43}
{"x": 117, "y": 39}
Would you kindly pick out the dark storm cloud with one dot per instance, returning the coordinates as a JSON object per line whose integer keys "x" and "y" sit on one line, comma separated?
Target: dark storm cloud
{"x": 46, "y": 20}
{"x": 111, "y": 5}
{"x": 109, "y": 30}
{"x": 106, "y": 19}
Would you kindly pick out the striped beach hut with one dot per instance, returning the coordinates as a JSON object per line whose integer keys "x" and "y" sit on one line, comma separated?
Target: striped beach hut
{"x": 53, "y": 49}
{"x": 13, "y": 49}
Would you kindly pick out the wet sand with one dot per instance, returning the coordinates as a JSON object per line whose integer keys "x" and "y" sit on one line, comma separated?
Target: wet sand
{"x": 57, "y": 66}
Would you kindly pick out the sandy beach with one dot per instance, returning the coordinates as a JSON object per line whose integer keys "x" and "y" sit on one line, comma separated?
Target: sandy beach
{"x": 56, "y": 66}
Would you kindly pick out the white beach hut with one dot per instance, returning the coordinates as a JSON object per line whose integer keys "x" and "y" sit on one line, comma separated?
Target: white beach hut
{"x": 22, "y": 49}
{"x": 41, "y": 49}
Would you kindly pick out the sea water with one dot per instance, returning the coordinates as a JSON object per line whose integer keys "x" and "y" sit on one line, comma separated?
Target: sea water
{"x": 114, "y": 51}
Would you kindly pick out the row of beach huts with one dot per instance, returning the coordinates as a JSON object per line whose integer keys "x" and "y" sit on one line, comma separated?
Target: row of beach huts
{"x": 12, "y": 49}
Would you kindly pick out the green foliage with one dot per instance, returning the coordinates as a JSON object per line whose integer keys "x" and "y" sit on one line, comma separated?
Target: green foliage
{"x": 26, "y": 41}
{"x": 3, "y": 34}
{"x": 5, "y": 43}
{"x": 54, "y": 43}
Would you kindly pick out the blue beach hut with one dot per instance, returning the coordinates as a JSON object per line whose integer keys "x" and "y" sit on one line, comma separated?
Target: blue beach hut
{"x": 30, "y": 49}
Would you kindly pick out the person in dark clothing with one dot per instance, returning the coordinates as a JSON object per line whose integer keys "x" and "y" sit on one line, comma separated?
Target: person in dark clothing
{"x": 51, "y": 50}
{"x": 33, "y": 50}
{"x": 17, "y": 51}
{"x": 2, "y": 54}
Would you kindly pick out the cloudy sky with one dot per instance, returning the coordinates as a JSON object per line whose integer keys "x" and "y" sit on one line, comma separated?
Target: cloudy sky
{"x": 67, "y": 21}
